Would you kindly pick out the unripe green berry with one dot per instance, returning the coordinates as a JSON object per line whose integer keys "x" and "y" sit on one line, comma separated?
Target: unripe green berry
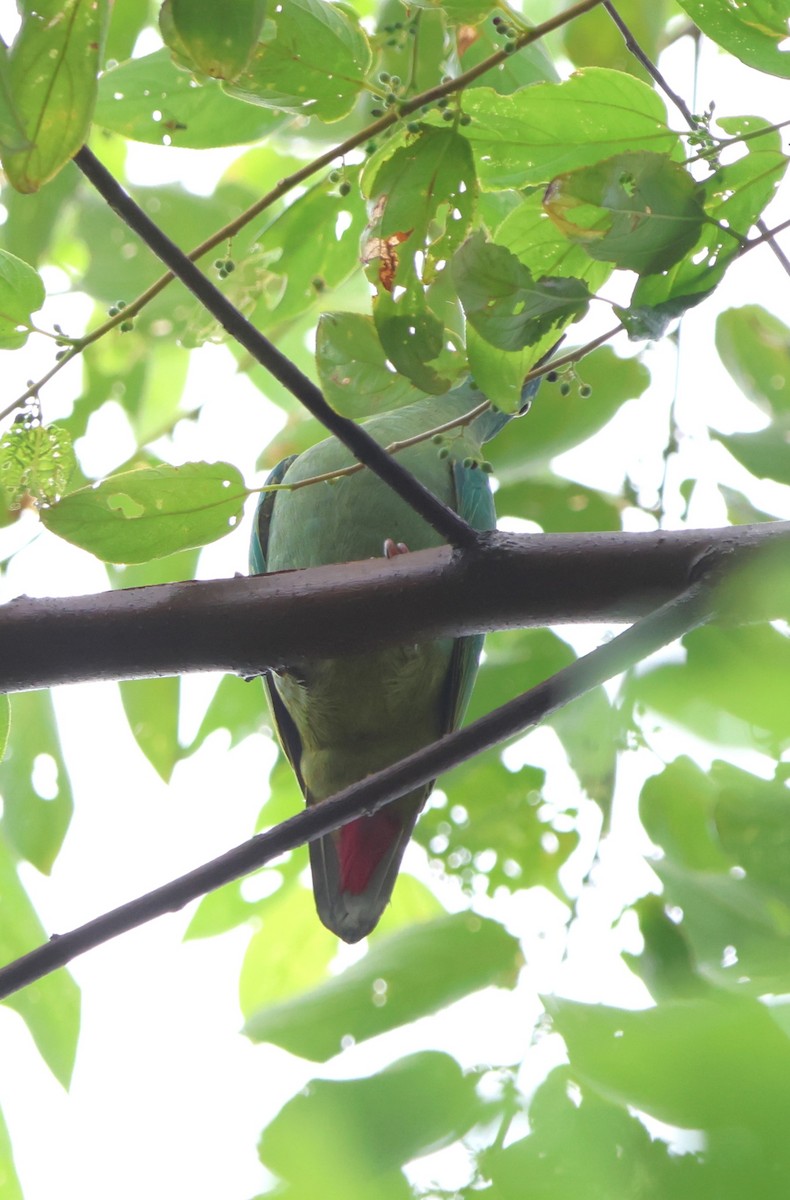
{"x": 344, "y": 188}
{"x": 444, "y": 452}
{"x": 464, "y": 119}
{"x": 126, "y": 326}
{"x": 585, "y": 391}
{"x": 565, "y": 388}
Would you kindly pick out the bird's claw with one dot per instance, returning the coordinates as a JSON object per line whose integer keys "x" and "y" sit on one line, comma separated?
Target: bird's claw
{"x": 392, "y": 548}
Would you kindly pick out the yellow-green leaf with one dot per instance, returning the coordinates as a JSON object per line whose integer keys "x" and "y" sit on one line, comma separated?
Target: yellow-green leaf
{"x": 143, "y": 514}
{"x": 52, "y": 80}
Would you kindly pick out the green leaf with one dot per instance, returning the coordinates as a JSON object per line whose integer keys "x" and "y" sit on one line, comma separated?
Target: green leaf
{"x": 304, "y": 266}
{"x": 34, "y": 782}
{"x": 580, "y": 1145}
{"x": 149, "y": 100}
{"x": 545, "y": 130}
{"x": 764, "y": 454}
{"x": 272, "y": 974}
{"x": 5, "y": 723}
{"x": 531, "y": 65}
{"x": 518, "y": 660}
{"x": 754, "y": 346}
{"x": 414, "y": 341}
{"x": 642, "y": 211}
{"x": 733, "y": 688}
{"x": 677, "y": 809}
{"x": 593, "y": 39}
{"x": 37, "y": 461}
{"x": 537, "y": 244}
{"x": 503, "y": 302}
{"x": 493, "y": 830}
{"x": 333, "y": 57}
{"x": 150, "y": 512}
{"x": 237, "y": 705}
{"x": 735, "y": 196}
{"x": 706, "y": 1063}
{"x": 127, "y": 22}
{"x": 756, "y": 32}
{"x": 21, "y": 294}
{"x": 217, "y": 41}
{"x": 408, "y": 975}
{"x": 352, "y": 368}
{"x": 363, "y": 1130}
{"x": 12, "y": 131}
{"x": 152, "y": 705}
{"x": 559, "y": 507}
{"x": 429, "y": 181}
{"x": 50, "y": 1007}
{"x": 10, "y": 1188}
{"x": 666, "y": 964}
{"x": 52, "y": 69}
{"x": 726, "y": 842}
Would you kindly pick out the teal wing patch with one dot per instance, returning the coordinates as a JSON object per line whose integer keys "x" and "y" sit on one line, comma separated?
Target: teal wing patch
{"x": 259, "y": 541}
{"x": 475, "y": 503}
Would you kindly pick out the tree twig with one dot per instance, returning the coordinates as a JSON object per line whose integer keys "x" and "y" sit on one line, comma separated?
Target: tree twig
{"x": 693, "y": 607}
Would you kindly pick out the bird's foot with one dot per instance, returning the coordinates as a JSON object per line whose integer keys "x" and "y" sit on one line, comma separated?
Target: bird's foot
{"x": 392, "y": 549}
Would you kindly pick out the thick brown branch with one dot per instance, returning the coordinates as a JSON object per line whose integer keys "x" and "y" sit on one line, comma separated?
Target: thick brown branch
{"x": 246, "y": 625}
{"x": 686, "y": 611}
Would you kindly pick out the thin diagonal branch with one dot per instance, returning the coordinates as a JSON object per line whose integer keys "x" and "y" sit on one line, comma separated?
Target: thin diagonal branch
{"x": 693, "y": 607}
{"x": 359, "y": 442}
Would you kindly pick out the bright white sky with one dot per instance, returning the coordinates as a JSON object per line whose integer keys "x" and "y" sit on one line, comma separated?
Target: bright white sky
{"x": 168, "y": 1099}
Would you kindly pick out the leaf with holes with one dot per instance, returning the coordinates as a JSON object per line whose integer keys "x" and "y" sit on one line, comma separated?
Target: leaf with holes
{"x": 150, "y": 512}
{"x": 640, "y": 211}
{"x": 504, "y": 303}
{"x": 35, "y": 461}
